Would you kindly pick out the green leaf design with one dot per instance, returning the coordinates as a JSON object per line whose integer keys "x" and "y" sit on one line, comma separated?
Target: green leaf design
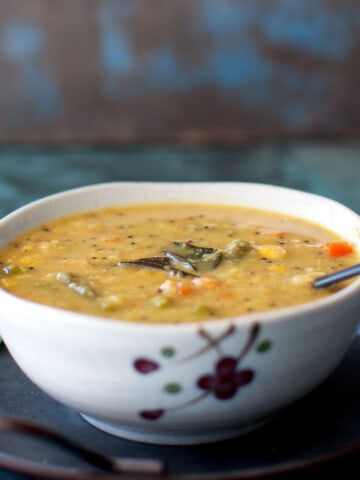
{"x": 172, "y": 388}
{"x": 263, "y": 346}
{"x": 168, "y": 351}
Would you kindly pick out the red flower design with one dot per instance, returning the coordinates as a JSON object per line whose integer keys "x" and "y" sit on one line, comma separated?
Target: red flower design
{"x": 145, "y": 365}
{"x": 151, "y": 414}
{"x": 226, "y": 380}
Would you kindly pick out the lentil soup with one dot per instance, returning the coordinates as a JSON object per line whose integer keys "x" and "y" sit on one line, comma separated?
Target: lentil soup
{"x": 173, "y": 262}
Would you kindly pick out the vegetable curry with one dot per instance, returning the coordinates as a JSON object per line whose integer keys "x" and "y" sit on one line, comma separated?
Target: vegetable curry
{"x": 173, "y": 262}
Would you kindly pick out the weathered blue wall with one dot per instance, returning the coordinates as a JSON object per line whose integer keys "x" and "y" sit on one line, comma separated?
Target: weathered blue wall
{"x": 182, "y": 70}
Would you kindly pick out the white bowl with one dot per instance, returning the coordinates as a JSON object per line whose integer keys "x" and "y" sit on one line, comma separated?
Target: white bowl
{"x": 140, "y": 381}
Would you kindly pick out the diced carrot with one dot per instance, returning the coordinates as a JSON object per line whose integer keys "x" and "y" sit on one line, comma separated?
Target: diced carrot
{"x": 113, "y": 239}
{"x": 182, "y": 288}
{"x": 170, "y": 289}
{"x": 337, "y": 249}
{"x": 275, "y": 233}
{"x": 133, "y": 304}
{"x": 205, "y": 282}
{"x": 227, "y": 294}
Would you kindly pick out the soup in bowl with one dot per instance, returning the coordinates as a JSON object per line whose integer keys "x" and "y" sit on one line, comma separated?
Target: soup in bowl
{"x": 178, "y": 313}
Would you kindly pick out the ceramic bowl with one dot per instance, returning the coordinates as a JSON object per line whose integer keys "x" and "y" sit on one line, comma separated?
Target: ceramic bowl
{"x": 141, "y": 381}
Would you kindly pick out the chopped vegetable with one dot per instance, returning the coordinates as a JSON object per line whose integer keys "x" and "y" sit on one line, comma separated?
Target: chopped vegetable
{"x": 155, "y": 263}
{"x": 205, "y": 282}
{"x": 164, "y": 264}
{"x": 184, "y": 258}
{"x": 227, "y": 294}
{"x": 201, "y": 309}
{"x": 337, "y": 249}
{"x": 13, "y": 269}
{"x": 209, "y": 261}
{"x": 180, "y": 263}
{"x": 275, "y": 233}
{"x": 29, "y": 260}
{"x": 188, "y": 250}
{"x": 236, "y": 249}
{"x": 190, "y": 258}
{"x": 76, "y": 283}
{"x": 272, "y": 252}
{"x": 172, "y": 289}
{"x": 160, "y": 301}
{"x": 113, "y": 239}
{"x": 182, "y": 288}
{"x": 168, "y": 289}
{"x": 111, "y": 302}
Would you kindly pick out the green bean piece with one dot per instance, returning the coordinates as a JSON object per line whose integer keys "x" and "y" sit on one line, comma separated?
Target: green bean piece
{"x": 201, "y": 309}
{"x": 76, "y": 283}
{"x": 13, "y": 269}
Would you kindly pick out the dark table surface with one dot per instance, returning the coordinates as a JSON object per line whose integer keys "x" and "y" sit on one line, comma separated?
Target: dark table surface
{"x": 327, "y": 169}
{"x": 330, "y": 169}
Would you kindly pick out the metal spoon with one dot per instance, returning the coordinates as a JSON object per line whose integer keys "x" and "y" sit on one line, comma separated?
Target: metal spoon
{"x": 338, "y": 276}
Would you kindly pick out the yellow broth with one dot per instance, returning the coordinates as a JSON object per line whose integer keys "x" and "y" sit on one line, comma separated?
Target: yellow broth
{"x": 74, "y": 262}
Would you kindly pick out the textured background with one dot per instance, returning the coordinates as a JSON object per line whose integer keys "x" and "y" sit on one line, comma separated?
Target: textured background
{"x": 250, "y": 90}
{"x": 192, "y": 71}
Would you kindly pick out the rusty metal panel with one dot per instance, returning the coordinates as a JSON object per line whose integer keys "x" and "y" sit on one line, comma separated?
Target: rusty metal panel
{"x": 181, "y": 71}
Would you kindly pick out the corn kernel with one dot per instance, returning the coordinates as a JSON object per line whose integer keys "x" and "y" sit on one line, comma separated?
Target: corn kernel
{"x": 272, "y": 252}
{"x": 29, "y": 260}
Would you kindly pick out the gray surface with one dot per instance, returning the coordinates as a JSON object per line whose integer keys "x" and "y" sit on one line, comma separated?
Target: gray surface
{"x": 317, "y": 428}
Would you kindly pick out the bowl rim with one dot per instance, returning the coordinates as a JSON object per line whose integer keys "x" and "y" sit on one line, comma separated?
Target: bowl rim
{"x": 267, "y": 317}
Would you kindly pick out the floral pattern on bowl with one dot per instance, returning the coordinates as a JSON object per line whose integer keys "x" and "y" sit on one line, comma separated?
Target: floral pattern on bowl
{"x": 223, "y": 381}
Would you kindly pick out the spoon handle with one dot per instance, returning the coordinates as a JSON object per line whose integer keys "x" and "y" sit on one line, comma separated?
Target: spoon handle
{"x": 110, "y": 466}
{"x": 338, "y": 276}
